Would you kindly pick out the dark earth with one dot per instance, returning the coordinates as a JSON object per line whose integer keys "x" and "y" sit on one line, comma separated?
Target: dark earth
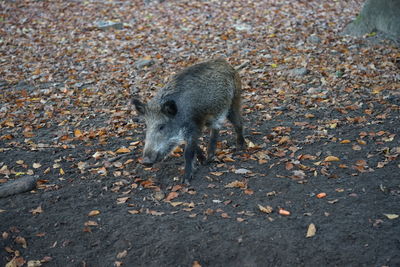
{"x": 321, "y": 114}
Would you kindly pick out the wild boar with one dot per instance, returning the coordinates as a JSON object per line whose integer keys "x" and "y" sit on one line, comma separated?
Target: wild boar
{"x": 200, "y": 96}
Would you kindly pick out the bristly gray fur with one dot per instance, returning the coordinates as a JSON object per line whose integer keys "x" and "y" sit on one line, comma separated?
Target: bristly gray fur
{"x": 201, "y": 95}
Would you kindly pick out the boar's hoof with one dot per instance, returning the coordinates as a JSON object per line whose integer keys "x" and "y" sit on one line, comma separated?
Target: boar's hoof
{"x": 186, "y": 179}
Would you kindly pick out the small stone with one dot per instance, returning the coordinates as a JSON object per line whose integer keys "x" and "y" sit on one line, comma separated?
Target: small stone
{"x": 141, "y": 63}
{"x": 314, "y": 39}
{"x": 299, "y": 72}
{"x": 314, "y": 90}
{"x": 242, "y": 27}
{"x": 103, "y": 25}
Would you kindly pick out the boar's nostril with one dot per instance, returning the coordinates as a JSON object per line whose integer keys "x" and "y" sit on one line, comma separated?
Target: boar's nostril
{"x": 146, "y": 161}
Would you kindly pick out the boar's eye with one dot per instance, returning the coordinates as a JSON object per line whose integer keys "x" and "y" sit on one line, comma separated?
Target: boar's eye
{"x": 161, "y": 127}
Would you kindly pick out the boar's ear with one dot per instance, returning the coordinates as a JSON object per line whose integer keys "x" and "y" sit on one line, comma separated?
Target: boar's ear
{"x": 169, "y": 108}
{"x": 140, "y": 107}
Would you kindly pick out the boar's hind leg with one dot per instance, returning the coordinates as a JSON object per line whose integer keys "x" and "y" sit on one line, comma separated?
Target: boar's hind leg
{"x": 236, "y": 119}
{"x": 212, "y": 144}
{"x": 200, "y": 155}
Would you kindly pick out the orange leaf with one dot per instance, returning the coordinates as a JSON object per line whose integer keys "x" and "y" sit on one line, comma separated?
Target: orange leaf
{"x": 284, "y": 212}
{"x": 248, "y": 191}
{"x": 321, "y": 195}
{"x": 78, "y": 133}
{"x": 236, "y": 184}
{"x": 123, "y": 150}
{"x": 171, "y": 196}
{"x": 94, "y": 213}
{"x": 331, "y": 158}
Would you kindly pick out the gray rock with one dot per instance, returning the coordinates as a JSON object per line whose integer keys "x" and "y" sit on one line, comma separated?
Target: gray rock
{"x": 314, "y": 39}
{"x": 314, "y": 90}
{"x": 103, "y": 25}
{"x": 299, "y": 72}
{"x": 141, "y": 63}
{"x": 242, "y": 27}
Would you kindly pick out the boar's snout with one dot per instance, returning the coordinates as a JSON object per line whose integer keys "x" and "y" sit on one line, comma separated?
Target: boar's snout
{"x": 146, "y": 161}
{"x": 150, "y": 157}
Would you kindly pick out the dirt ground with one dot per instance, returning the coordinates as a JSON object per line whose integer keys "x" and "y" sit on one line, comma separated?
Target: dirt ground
{"x": 318, "y": 184}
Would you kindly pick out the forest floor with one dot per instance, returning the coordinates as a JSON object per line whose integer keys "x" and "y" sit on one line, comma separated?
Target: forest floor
{"x": 317, "y": 185}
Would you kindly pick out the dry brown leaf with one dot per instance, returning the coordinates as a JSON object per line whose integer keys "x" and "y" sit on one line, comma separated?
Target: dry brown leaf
{"x": 265, "y": 209}
{"x": 236, "y": 184}
{"x": 284, "y": 212}
{"x": 225, "y": 215}
{"x": 217, "y": 173}
{"x": 331, "y": 158}
{"x": 311, "y": 230}
{"x": 134, "y": 211}
{"x": 177, "y": 203}
{"x": 122, "y": 254}
{"x": 248, "y": 191}
{"x": 21, "y": 241}
{"x": 91, "y": 223}
{"x": 94, "y": 213}
{"x": 36, "y": 165}
{"x": 171, "y": 196}
{"x": 122, "y": 150}
{"x": 38, "y": 210}
{"x": 155, "y": 213}
{"x": 77, "y": 133}
{"x": 122, "y": 200}
{"x": 392, "y": 216}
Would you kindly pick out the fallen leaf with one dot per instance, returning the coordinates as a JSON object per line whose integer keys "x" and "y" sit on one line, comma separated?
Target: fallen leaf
{"x": 284, "y": 212}
{"x": 265, "y": 209}
{"x": 38, "y": 210}
{"x": 155, "y": 213}
{"x": 196, "y": 264}
{"x": 331, "y": 158}
{"x": 225, "y": 215}
{"x": 77, "y": 133}
{"x": 21, "y": 241}
{"x": 391, "y": 216}
{"x": 159, "y": 195}
{"x": 94, "y": 213}
{"x": 36, "y": 165}
{"x": 236, "y": 184}
{"x": 34, "y": 263}
{"x": 122, "y": 254}
{"x": 311, "y": 230}
{"x": 171, "y": 196}
{"x": 216, "y": 173}
{"x": 122, "y": 200}
{"x": 346, "y": 141}
{"x": 321, "y": 195}
{"x": 91, "y": 223}
{"x": 122, "y": 150}
{"x": 248, "y": 191}
{"x": 133, "y": 211}
{"x": 177, "y": 203}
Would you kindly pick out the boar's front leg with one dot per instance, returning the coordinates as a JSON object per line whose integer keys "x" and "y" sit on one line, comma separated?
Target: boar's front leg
{"x": 191, "y": 150}
{"x": 212, "y": 144}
